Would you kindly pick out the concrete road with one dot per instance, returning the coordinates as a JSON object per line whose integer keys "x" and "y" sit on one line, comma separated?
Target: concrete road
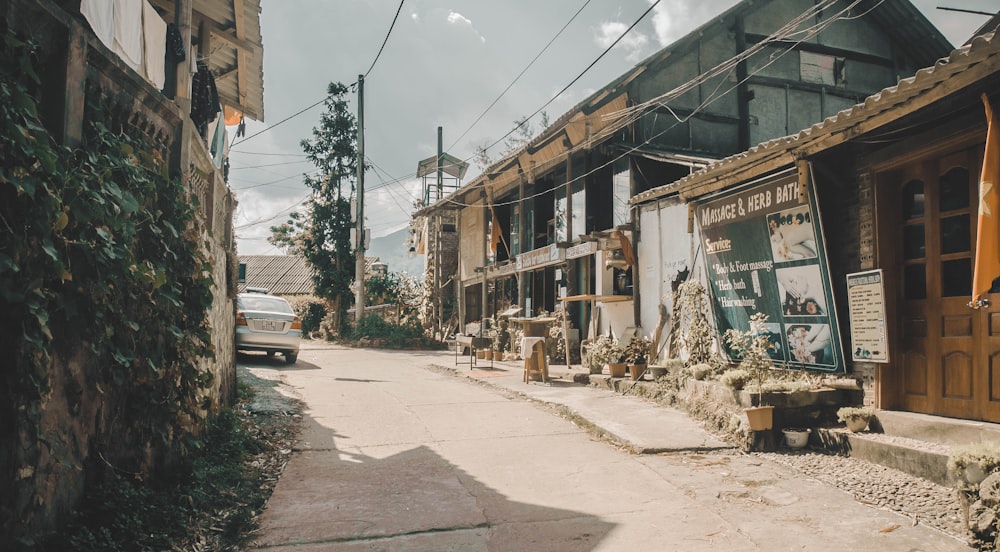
{"x": 394, "y": 456}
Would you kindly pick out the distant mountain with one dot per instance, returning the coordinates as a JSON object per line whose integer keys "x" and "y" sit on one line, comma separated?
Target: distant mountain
{"x": 393, "y": 250}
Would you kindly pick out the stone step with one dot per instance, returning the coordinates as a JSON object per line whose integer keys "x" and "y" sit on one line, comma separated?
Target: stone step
{"x": 918, "y": 444}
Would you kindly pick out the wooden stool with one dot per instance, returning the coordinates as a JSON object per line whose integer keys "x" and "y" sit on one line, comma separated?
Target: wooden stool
{"x": 535, "y": 363}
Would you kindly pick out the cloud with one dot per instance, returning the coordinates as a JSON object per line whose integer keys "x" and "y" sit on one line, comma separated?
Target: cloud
{"x": 633, "y": 43}
{"x": 670, "y": 22}
{"x": 456, "y": 18}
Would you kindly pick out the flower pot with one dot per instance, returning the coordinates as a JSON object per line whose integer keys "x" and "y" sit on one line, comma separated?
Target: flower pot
{"x": 616, "y": 369}
{"x": 596, "y": 368}
{"x": 856, "y": 424}
{"x": 760, "y": 418}
{"x": 497, "y": 355}
{"x": 636, "y": 370}
{"x": 796, "y": 438}
{"x": 481, "y": 354}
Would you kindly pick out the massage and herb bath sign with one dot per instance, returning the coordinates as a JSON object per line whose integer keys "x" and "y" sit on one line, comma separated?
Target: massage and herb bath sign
{"x": 764, "y": 252}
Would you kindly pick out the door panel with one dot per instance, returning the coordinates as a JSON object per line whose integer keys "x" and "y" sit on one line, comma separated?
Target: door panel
{"x": 950, "y": 353}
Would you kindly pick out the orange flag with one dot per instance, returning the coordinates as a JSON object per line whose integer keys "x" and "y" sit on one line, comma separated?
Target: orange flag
{"x": 988, "y": 230}
{"x": 494, "y": 234}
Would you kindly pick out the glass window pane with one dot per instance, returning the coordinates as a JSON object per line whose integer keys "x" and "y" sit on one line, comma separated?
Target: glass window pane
{"x": 914, "y": 282}
{"x": 561, "y": 219}
{"x": 579, "y": 218}
{"x": 621, "y": 188}
{"x": 955, "y": 189}
{"x": 955, "y": 236}
{"x": 956, "y": 278}
{"x": 914, "y": 246}
{"x": 515, "y": 231}
{"x": 913, "y": 200}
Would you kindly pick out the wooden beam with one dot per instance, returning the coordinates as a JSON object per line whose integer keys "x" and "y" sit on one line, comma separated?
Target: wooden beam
{"x": 242, "y": 63}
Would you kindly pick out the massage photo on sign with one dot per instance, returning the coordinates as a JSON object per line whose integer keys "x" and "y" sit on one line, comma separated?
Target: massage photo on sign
{"x": 801, "y": 290}
{"x": 792, "y": 235}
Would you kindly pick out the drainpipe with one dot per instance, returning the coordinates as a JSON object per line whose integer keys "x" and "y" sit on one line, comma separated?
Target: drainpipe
{"x": 743, "y": 93}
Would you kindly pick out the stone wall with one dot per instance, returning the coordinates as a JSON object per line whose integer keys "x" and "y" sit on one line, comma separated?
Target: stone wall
{"x": 55, "y": 445}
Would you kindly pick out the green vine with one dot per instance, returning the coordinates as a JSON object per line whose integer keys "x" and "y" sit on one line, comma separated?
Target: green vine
{"x": 99, "y": 255}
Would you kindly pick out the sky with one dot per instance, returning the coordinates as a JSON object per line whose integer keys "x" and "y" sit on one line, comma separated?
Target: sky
{"x": 446, "y": 63}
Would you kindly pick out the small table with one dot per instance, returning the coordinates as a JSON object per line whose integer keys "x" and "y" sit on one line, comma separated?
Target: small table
{"x": 533, "y": 346}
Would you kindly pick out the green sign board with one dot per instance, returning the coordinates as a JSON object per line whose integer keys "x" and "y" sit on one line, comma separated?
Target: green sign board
{"x": 764, "y": 252}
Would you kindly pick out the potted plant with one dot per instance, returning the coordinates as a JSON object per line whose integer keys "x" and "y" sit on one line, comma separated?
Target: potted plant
{"x": 636, "y": 354}
{"x": 856, "y": 417}
{"x": 735, "y": 379}
{"x": 971, "y": 463}
{"x": 752, "y": 346}
{"x": 607, "y": 350}
{"x": 500, "y": 338}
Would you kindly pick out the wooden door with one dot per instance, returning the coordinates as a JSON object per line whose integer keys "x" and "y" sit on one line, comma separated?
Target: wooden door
{"x": 948, "y": 353}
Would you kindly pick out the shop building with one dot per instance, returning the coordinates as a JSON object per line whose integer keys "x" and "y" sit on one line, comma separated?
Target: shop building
{"x": 892, "y": 190}
{"x": 553, "y": 220}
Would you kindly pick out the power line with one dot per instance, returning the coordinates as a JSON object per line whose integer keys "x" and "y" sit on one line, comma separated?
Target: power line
{"x": 265, "y": 153}
{"x": 634, "y": 113}
{"x": 578, "y": 77}
{"x": 386, "y": 38}
{"x": 270, "y": 165}
{"x": 521, "y": 74}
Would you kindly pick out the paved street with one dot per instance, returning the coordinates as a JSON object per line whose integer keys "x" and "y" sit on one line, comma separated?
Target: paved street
{"x": 396, "y": 456}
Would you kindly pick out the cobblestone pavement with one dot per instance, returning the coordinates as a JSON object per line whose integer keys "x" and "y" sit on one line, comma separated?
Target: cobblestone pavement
{"x": 921, "y": 500}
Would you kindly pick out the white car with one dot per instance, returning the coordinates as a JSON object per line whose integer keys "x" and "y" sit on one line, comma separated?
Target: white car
{"x": 267, "y": 323}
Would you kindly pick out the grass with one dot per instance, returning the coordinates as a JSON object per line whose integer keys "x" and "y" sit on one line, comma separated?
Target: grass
{"x": 210, "y": 503}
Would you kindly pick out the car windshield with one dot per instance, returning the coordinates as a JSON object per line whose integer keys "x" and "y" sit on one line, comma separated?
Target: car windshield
{"x": 263, "y": 303}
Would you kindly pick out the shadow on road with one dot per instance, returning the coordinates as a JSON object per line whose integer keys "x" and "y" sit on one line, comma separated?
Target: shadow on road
{"x": 332, "y": 495}
{"x": 261, "y": 360}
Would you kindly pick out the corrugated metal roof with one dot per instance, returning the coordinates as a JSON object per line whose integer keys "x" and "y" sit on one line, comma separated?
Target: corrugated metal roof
{"x": 283, "y": 274}
{"x": 965, "y": 66}
{"x": 280, "y": 274}
{"x": 900, "y": 19}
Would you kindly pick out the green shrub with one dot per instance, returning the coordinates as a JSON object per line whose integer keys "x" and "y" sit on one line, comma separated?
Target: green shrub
{"x": 736, "y": 378}
{"x": 985, "y": 454}
{"x": 392, "y": 336}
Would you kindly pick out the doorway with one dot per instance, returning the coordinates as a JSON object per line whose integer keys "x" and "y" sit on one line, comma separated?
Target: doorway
{"x": 947, "y": 354}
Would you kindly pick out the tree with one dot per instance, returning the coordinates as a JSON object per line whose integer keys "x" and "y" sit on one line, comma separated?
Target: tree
{"x": 321, "y": 233}
{"x": 523, "y": 133}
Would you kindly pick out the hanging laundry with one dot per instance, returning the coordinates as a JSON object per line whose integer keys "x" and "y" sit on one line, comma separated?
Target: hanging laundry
{"x": 101, "y": 16}
{"x": 128, "y": 32}
{"x": 204, "y": 98}
{"x": 175, "y": 44}
{"x": 155, "y": 44}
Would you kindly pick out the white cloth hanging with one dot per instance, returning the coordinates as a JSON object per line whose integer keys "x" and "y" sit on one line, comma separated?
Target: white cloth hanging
{"x": 154, "y": 30}
{"x": 128, "y": 32}
{"x": 101, "y": 16}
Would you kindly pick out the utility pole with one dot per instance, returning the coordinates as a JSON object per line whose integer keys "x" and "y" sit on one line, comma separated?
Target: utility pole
{"x": 438, "y": 259}
{"x": 359, "y": 269}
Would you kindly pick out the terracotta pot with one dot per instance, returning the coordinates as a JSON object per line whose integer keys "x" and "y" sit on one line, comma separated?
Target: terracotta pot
{"x": 497, "y": 355}
{"x": 761, "y": 418}
{"x": 636, "y": 370}
{"x": 616, "y": 369}
{"x": 481, "y": 354}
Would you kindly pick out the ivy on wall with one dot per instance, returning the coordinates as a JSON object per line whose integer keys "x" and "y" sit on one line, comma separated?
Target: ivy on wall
{"x": 99, "y": 254}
